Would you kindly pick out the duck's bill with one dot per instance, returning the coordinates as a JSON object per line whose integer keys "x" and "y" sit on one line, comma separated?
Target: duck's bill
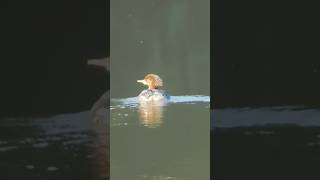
{"x": 142, "y": 81}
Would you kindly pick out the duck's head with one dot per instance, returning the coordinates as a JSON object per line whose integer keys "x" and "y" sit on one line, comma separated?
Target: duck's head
{"x": 153, "y": 81}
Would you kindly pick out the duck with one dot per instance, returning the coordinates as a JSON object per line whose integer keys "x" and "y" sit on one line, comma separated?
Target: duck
{"x": 153, "y": 93}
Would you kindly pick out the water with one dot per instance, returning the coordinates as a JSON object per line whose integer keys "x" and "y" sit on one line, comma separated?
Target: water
{"x": 167, "y": 38}
{"x": 160, "y": 142}
{"x": 53, "y": 147}
{"x": 278, "y": 142}
{"x": 265, "y": 116}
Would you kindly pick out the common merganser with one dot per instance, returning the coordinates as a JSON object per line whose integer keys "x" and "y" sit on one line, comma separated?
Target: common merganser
{"x": 153, "y": 93}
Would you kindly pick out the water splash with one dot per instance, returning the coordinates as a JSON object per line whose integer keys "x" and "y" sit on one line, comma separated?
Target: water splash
{"x": 265, "y": 116}
{"x": 132, "y": 102}
{"x": 190, "y": 99}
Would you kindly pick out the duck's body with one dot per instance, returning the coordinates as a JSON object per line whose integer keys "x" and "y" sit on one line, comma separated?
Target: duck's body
{"x": 153, "y": 93}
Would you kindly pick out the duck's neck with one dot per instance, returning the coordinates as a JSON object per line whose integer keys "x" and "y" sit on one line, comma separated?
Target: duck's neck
{"x": 152, "y": 88}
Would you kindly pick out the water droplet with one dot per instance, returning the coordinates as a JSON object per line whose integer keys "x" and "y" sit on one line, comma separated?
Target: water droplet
{"x": 30, "y": 167}
{"x": 52, "y": 168}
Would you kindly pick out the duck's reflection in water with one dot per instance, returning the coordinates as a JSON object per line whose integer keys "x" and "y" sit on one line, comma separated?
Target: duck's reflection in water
{"x": 151, "y": 114}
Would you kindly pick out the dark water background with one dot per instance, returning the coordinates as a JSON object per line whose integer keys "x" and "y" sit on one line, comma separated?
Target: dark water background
{"x": 265, "y": 90}
{"x": 279, "y": 142}
{"x": 65, "y": 146}
{"x": 45, "y": 49}
{"x": 48, "y": 89}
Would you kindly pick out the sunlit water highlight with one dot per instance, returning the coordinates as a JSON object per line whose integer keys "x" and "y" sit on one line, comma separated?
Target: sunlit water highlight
{"x": 150, "y": 114}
